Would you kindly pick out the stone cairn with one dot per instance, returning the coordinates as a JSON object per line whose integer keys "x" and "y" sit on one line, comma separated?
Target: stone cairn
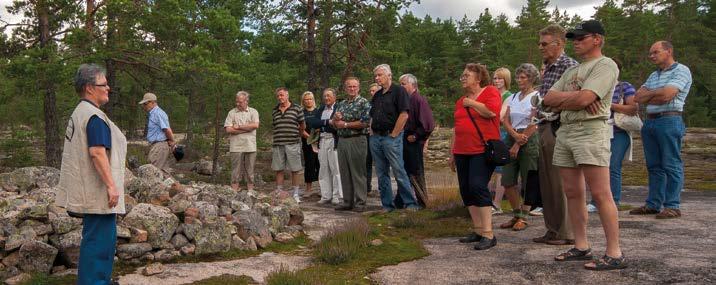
{"x": 164, "y": 220}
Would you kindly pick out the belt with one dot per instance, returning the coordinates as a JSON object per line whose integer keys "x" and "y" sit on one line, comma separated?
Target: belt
{"x": 663, "y": 114}
{"x": 381, "y": 133}
{"x": 352, "y": 136}
{"x": 152, "y": 143}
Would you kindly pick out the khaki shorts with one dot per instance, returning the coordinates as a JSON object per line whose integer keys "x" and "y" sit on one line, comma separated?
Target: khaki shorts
{"x": 286, "y": 157}
{"x": 583, "y": 143}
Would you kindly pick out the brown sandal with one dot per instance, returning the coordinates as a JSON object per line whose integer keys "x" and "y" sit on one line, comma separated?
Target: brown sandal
{"x": 519, "y": 225}
{"x": 669, "y": 213}
{"x": 509, "y": 224}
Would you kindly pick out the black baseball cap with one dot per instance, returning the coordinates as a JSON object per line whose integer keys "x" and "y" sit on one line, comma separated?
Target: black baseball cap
{"x": 585, "y": 28}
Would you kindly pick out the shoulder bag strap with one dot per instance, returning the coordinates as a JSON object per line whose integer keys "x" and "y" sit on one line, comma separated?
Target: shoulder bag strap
{"x": 467, "y": 109}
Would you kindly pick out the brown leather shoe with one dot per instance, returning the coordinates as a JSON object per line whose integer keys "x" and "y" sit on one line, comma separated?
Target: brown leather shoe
{"x": 560, "y": 241}
{"x": 520, "y": 224}
{"x": 543, "y": 239}
{"x": 509, "y": 224}
{"x": 669, "y": 213}
{"x": 643, "y": 210}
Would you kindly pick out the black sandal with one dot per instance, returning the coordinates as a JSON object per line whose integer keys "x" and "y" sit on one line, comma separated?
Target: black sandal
{"x": 574, "y": 254}
{"x": 607, "y": 263}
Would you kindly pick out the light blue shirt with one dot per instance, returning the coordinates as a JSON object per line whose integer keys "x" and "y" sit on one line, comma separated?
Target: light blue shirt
{"x": 156, "y": 122}
{"x": 677, "y": 76}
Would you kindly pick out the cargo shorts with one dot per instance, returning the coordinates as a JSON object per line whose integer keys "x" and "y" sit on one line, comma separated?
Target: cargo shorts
{"x": 583, "y": 143}
{"x": 286, "y": 157}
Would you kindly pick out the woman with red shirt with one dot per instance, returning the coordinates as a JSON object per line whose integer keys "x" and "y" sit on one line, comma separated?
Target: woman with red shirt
{"x": 484, "y": 102}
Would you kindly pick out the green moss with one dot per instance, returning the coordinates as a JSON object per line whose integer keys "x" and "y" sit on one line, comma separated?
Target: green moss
{"x": 226, "y": 279}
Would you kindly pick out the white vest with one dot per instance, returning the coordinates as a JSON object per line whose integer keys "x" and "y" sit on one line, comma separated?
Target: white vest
{"x": 81, "y": 189}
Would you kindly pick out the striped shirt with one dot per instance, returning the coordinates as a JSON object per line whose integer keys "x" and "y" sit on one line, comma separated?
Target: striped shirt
{"x": 286, "y": 125}
{"x": 677, "y": 76}
{"x": 552, "y": 72}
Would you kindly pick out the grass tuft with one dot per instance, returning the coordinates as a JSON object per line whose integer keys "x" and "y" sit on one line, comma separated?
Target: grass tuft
{"x": 342, "y": 243}
{"x": 286, "y": 277}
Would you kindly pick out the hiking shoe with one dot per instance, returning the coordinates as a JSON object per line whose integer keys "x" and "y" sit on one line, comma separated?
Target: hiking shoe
{"x": 643, "y": 210}
{"x": 669, "y": 213}
{"x": 486, "y": 243}
{"x": 472, "y": 237}
{"x": 591, "y": 208}
{"x": 297, "y": 198}
{"x": 537, "y": 212}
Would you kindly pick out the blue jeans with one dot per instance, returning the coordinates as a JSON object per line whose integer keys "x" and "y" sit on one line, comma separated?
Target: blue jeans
{"x": 662, "y": 139}
{"x": 387, "y": 153}
{"x": 620, "y": 145}
{"x": 99, "y": 239}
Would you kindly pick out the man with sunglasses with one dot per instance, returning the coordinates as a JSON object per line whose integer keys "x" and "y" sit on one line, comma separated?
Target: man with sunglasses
{"x": 555, "y": 62}
{"x": 582, "y": 151}
{"x": 159, "y": 134}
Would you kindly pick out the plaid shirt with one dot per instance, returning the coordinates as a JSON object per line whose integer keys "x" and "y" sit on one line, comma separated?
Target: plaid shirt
{"x": 552, "y": 72}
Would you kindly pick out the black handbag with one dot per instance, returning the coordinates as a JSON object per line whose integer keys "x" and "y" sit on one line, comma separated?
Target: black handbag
{"x": 495, "y": 150}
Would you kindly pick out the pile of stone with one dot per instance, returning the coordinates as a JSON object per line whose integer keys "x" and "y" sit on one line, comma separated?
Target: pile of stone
{"x": 164, "y": 220}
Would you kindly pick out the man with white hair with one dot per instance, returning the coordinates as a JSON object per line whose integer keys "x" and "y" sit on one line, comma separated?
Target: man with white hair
{"x": 418, "y": 128}
{"x": 241, "y": 124}
{"x": 389, "y": 113}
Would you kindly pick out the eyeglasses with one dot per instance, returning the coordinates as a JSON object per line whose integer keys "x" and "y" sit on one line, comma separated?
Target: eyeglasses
{"x": 464, "y": 76}
{"x": 101, "y": 85}
{"x": 579, "y": 39}
{"x": 655, "y": 52}
{"x": 544, "y": 44}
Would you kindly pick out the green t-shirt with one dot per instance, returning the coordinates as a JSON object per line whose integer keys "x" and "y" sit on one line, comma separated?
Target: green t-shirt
{"x": 506, "y": 95}
{"x": 598, "y": 75}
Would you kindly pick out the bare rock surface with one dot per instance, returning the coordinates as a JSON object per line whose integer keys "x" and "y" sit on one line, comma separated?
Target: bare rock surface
{"x": 257, "y": 268}
{"x": 659, "y": 251}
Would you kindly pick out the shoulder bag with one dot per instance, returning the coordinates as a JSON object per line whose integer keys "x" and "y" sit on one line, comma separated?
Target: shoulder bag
{"x": 624, "y": 121}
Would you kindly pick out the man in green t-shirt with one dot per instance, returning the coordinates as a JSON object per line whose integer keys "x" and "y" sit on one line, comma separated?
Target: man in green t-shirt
{"x": 582, "y": 151}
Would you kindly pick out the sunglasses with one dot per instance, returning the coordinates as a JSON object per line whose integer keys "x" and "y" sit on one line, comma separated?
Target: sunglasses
{"x": 579, "y": 39}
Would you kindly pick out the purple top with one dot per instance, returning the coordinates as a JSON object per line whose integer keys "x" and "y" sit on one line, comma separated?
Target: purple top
{"x": 624, "y": 89}
{"x": 420, "y": 118}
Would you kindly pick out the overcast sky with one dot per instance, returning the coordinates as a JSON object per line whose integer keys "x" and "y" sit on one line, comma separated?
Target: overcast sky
{"x": 453, "y": 8}
{"x": 472, "y": 8}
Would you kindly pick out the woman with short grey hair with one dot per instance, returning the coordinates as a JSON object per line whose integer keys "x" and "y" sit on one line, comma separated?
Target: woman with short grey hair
{"x": 524, "y": 148}
{"x": 92, "y": 175}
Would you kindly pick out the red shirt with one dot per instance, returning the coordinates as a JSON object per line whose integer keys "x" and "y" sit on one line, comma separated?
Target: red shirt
{"x": 467, "y": 141}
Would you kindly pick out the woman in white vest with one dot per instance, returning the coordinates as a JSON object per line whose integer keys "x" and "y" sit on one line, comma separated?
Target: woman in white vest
{"x": 524, "y": 148}
{"x": 92, "y": 175}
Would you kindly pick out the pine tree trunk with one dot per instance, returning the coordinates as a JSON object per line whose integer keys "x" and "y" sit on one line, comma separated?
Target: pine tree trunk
{"x": 52, "y": 139}
{"x": 312, "y": 80}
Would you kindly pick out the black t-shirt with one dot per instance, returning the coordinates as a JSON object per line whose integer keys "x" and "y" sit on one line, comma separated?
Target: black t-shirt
{"x": 386, "y": 107}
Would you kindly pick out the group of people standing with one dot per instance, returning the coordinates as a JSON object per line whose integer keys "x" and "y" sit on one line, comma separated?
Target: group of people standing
{"x": 555, "y": 158}
{"x": 563, "y": 138}
{"x": 337, "y": 142}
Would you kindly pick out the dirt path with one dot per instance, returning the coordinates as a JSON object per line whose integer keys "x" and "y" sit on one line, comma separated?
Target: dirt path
{"x": 659, "y": 251}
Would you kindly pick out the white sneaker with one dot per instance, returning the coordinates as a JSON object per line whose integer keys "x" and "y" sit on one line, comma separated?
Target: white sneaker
{"x": 297, "y": 198}
{"x": 496, "y": 211}
{"x": 591, "y": 208}
{"x": 537, "y": 212}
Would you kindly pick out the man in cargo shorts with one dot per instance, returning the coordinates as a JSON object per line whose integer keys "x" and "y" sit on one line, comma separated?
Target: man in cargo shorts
{"x": 288, "y": 125}
{"x": 583, "y": 94}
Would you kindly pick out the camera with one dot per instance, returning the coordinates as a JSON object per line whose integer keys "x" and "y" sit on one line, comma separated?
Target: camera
{"x": 544, "y": 112}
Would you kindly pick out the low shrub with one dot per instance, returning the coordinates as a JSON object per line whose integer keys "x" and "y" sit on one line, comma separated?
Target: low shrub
{"x": 286, "y": 277}
{"x": 342, "y": 243}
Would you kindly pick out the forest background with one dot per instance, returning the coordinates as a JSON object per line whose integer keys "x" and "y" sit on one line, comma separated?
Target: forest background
{"x": 195, "y": 55}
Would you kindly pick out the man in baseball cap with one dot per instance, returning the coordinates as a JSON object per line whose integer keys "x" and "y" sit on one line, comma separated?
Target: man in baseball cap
{"x": 586, "y": 28}
{"x": 159, "y": 134}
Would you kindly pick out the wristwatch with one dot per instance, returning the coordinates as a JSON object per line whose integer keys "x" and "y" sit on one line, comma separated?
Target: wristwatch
{"x": 345, "y": 125}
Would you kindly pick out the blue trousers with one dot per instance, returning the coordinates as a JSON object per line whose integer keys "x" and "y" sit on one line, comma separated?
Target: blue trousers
{"x": 620, "y": 145}
{"x": 99, "y": 238}
{"x": 662, "y": 139}
{"x": 388, "y": 153}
